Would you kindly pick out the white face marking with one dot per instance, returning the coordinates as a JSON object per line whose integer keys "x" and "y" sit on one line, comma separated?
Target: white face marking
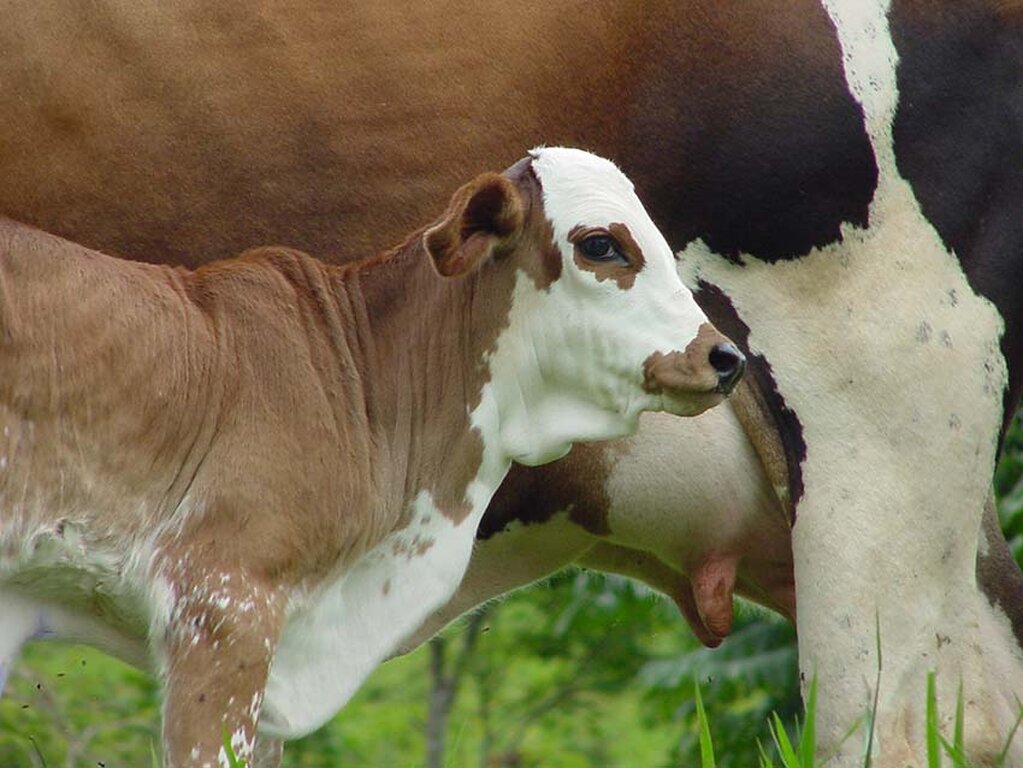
{"x": 889, "y": 520}
{"x": 570, "y": 364}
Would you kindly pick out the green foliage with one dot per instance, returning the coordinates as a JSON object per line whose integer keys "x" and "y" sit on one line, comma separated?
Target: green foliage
{"x": 703, "y": 728}
{"x": 1009, "y": 488}
{"x": 69, "y": 705}
{"x": 752, "y": 674}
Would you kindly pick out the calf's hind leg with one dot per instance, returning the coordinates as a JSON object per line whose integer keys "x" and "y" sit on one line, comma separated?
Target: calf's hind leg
{"x": 218, "y": 648}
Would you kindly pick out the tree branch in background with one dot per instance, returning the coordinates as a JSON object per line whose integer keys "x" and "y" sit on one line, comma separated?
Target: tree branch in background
{"x": 444, "y": 684}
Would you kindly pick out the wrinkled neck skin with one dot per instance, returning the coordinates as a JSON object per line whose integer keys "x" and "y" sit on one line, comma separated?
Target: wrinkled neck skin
{"x": 476, "y": 344}
{"x": 887, "y": 527}
{"x": 446, "y": 382}
{"x": 423, "y": 340}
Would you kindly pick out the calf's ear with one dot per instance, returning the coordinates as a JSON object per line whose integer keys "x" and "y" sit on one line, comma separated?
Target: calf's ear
{"x": 483, "y": 216}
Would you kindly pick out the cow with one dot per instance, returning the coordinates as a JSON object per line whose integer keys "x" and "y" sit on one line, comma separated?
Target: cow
{"x": 840, "y": 165}
{"x": 272, "y": 459}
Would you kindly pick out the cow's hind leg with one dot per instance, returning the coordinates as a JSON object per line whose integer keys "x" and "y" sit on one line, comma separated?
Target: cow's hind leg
{"x": 20, "y": 620}
{"x": 268, "y": 753}
{"x": 218, "y": 649}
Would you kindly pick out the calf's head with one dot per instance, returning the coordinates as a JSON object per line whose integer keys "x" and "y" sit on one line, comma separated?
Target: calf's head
{"x": 599, "y": 327}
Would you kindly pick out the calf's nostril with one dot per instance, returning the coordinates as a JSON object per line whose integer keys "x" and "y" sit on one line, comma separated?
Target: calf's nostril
{"x": 729, "y": 363}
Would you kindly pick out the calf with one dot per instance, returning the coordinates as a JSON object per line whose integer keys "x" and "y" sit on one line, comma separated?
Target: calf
{"x": 268, "y": 471}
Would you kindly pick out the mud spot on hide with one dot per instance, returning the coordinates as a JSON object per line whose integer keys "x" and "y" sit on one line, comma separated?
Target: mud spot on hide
{"x": 420, "y": 546}
{"x": 924, "y": 332}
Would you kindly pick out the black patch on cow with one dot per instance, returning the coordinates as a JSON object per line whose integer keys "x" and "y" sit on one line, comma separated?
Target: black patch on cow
{"x": 998, "y": 574}
{"x": 721, "y": 311}
{"x": 745, "y": 135}
{"x": 576, "y": 484}
{"x": 959, "y": 142}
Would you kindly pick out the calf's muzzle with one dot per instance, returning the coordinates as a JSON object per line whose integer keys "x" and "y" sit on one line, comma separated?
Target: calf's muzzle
{"x": 710, "y": 363}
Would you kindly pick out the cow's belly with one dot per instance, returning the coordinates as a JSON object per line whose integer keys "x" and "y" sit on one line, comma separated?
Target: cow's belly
{"x": 56, "y": 583}
{"x": 345, "y": 629}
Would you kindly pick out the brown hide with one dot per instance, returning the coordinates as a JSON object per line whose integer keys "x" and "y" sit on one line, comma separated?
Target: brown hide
{"x": 183, "y": 131}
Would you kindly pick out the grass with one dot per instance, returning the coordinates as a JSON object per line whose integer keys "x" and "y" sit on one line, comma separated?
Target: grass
{"x": 801, "y": 751}
{"x": 232, "y": 758}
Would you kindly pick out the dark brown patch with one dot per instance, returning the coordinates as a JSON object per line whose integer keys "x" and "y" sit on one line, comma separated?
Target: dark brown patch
{"x": 624, "y": 275}
{"x": 742, "y": 131}
{"x": 960, "y": 115}
{"x": 576, "y": 483}
{"x": 786, "y": 422}
{"x": 998, "y": 574}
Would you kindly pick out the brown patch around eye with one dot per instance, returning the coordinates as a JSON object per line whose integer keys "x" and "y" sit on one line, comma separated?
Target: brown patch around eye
{"x": 624, "y": 275}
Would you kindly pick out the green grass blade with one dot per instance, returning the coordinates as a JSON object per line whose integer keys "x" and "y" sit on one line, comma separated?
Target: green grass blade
{"x": 1003, "y": 756}
{"x": 789, "y": 758}
{"x": 868, "y": 760}
{"x": 933, "y": 735}
{"x": 764, "y": 761}
{"x": 152, "y": 755}
{"x": 957, "y": 754}
{"x": 957, "y": 734}
{"x": 808, "y": 737}
{"x": 845, "y": 737}
{"x": 232, "y": 758}
{"x": 706, "y": 744}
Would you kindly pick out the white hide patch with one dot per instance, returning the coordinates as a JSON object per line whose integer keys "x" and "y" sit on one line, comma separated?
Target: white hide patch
{"x": 343, "y": 631}
{"x": 676, "y": 474}
{"x": 891, "y": 362}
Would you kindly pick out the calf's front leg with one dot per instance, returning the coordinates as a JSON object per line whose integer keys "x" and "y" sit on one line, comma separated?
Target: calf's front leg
{"x": 218, "y": 649}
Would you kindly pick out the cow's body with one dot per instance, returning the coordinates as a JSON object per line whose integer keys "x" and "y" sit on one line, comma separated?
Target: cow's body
{"x": 877, "y": 202}
{"x": 273, "y": 460}
{"x": 716, "y": 527}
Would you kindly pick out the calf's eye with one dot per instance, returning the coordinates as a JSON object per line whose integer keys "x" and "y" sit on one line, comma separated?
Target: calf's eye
{"x": 601, "y": 248}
